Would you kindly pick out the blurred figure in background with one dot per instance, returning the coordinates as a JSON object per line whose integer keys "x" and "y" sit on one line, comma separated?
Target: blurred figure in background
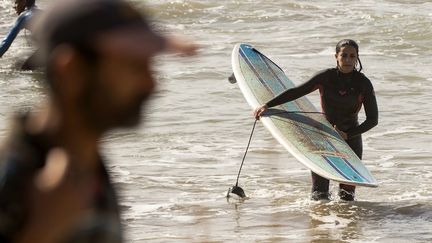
{"x": 26, "y": 10}
{"x": 54, "y": 186}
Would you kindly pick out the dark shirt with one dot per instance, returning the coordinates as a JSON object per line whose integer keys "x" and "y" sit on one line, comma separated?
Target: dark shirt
{"x": 342, "y": 96}
{"x": 21, "y": 157}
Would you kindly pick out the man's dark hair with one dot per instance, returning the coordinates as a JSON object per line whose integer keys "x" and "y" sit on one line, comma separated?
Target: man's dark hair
{"x": 30, "y": 3}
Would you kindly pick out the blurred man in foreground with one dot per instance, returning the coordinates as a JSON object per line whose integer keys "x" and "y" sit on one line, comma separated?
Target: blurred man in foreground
{"x": 54, "y": 186}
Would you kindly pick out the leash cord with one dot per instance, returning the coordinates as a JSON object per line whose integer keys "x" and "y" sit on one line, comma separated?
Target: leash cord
{"x": 247, "y": 148}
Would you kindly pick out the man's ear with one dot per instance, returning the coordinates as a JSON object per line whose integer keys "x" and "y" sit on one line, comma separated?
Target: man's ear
{"x": 69, "y": 72}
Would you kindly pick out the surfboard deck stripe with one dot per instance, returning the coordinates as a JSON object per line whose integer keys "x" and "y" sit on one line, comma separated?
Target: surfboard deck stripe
{"x": 255, "y": 71}
{"x": 350, "y": 165}
{"x": 344, "y": 168}
{"x": 272, "y": 89}
{"x": 332, "y": 156}
{"x": 279, "y": 75}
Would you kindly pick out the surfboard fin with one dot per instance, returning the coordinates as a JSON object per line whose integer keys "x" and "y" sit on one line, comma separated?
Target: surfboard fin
{"x": 237, "y": 190}
{"x": 232, "y": 79}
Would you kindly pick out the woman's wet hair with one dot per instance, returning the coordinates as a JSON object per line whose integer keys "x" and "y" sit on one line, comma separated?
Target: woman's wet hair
{"x": 352, "y": 43}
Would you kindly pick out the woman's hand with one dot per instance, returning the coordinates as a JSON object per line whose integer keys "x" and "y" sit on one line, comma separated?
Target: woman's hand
{"x": 343, "y": 134}
{"x": 259, "y": 111}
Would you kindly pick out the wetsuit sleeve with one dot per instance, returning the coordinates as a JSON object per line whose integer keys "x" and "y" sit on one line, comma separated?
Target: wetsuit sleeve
{"x": 18, "y": 26}
{"x": 297, "y": 92}
{"x": 371, "y": 110}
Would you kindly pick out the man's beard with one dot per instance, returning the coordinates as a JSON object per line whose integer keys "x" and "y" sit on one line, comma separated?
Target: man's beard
{"x": 104, "y": 114}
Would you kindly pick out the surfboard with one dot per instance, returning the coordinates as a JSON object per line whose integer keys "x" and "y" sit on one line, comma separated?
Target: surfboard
{"x": 297, "y": 125}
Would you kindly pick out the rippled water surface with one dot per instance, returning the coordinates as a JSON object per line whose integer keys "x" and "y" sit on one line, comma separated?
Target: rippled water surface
{"x": 173, "y": 172}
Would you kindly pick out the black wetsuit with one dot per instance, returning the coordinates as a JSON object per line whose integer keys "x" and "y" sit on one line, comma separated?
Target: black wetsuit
{"x": 342, "y": 96}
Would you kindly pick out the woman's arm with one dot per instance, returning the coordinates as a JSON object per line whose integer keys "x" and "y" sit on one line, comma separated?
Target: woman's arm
{"x": 371, "y": 110}
{"x": 292, "y": 94}
{"x": 297, "y": 92}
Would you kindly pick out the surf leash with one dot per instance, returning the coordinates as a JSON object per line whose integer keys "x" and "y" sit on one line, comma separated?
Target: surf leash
{"x": 236, "y": 189}
{"x": 247, "y": 148}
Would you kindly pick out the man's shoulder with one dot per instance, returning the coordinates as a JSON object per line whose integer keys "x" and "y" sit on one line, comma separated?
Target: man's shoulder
{"x": 17, "y": 161}
{"x": 15, "y": 175}
{"x": 19, "y": 154}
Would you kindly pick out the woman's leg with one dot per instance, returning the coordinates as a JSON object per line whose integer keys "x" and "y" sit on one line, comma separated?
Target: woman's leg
{"x": 347, "y": 192}
{"x": 320, "y": 187}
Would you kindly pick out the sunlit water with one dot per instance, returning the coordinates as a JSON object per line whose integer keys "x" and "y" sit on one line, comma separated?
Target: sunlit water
{"x": 173, "y": 172}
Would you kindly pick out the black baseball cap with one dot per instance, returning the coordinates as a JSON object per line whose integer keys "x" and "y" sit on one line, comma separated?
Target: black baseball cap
{"x": 84, "y": 22}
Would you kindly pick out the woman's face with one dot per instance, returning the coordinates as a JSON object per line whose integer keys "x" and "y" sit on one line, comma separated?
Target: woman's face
{"x": 19, "y": 6}
{"x": 346, "y": 59}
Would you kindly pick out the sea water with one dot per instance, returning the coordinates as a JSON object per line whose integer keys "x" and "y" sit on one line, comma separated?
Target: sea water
{"x": 173, "y": 172}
